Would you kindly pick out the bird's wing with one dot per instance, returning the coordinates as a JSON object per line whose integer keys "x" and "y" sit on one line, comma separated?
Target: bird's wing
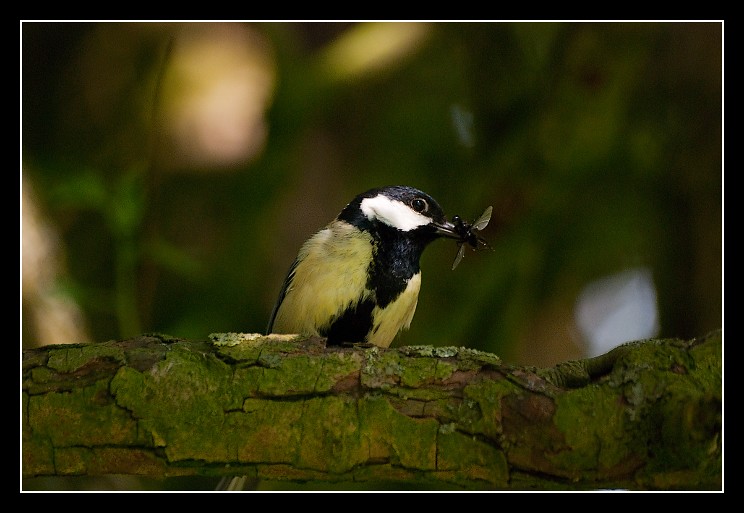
{"x": 282, "y": 294}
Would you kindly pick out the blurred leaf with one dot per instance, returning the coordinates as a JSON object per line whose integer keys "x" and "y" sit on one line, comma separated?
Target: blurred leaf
{"x": 126, "y": 206}
{"x": 174, "y": 259}
{"x": 84, "y": 190}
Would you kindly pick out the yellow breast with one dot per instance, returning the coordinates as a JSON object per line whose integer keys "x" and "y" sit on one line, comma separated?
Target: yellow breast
{"x": 331, "y": 274}
{"x": 397, "y": 316}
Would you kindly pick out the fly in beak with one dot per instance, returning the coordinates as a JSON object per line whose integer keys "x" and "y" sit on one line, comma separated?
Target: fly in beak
{"x": 447, "y": 229}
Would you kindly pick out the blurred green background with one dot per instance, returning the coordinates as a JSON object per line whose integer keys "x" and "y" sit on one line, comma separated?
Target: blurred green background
{"x": 170, "y": 172}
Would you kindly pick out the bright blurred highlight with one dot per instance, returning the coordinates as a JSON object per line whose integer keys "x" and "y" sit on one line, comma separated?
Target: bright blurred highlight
{"x": 618, "y": 309}
{"x": 55, "y": 317}
{"x": 216, "y": 91}
{"x": 370, "y": 47}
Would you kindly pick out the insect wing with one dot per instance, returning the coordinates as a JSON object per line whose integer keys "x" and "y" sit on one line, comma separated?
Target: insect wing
{"x": 460, "y": 254}
{"x": 467, "y": 233}
{"x": 483, "y": 220}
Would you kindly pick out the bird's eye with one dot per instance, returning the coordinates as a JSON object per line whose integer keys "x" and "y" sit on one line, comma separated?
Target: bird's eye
{"x": 419, "y": 205}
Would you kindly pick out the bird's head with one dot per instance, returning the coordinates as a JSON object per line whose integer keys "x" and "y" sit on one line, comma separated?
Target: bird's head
{"x": 399, "y": 208}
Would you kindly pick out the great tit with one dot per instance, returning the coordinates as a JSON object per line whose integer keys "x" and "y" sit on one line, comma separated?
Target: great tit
{"x": 357, "y": 280}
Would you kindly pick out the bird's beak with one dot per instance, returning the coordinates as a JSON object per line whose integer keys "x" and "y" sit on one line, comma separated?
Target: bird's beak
{"x": 446, "y": 229}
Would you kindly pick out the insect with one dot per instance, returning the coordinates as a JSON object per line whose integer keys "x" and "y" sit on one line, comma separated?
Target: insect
{"x": 468, "y": 233}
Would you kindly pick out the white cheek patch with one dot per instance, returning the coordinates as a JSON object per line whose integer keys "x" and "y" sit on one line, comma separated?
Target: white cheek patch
{"x": 393, "y": 213}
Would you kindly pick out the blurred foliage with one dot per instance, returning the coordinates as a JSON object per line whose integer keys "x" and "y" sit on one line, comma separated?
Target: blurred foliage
{"x": 598, "y": 144}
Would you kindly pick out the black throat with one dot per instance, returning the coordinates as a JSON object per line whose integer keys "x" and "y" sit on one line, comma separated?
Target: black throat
{"x": 395, "y": 260}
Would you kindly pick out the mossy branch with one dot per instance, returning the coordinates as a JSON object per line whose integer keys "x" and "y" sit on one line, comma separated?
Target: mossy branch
{"x": 645, "y": 416}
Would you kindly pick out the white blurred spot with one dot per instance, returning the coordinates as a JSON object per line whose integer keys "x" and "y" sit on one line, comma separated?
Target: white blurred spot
{"x": 54, "y": 317}
{"x": 618, "y": 309}
{"x": 216, "y": 92}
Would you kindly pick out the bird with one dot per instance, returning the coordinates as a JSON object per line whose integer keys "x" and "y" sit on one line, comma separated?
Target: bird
{"x": 357, "y": 280}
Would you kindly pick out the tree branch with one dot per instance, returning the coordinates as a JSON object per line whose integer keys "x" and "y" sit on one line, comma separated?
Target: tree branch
{"x": 645, "y": 416}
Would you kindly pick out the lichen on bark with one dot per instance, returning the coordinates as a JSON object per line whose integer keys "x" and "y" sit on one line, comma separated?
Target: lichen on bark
{"x": 647, "y": 416}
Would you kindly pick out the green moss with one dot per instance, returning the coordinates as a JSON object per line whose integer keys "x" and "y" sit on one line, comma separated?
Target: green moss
{"x": 479, "y": 357}
{"x": 289, "y": 375}
{"x": 271, "y": 359}
{"x": 480, "y": 410}
{"x": 33, "y": 358}
{"x": 189, "y": 389}
{"x": 244, "y": 383}
{"x": 39, "y": 377}
{"x": 72, "y": 461}
{"x": 65, "y": 418}
{"x": 393, "y": 436}
{"x": 284, "y": 371}
{"x": 415, "y": 372}
{"x": 264, "y": 432}
{"x": 336, "y": 445}
{"x": 444, "y": 370}
{"x": 472, "y": 459}
{"x": 87, "y": 461}
{"x": 40, "y": 460}
{"x": 71, "y": 358}
{"x": 708, "y": 358}
{"x": 689, "y": 433}
{"x": 462, "y": 413}
{"x": 336, "y": 367}
{"x": 654, "y": 394}
{"x": 594, "y": 428}
{"x": 684, "y": 426}
{"x": 264, "y": 408}
{"x": 418, "y": 394}
{"x": 249, "y": 347}
{"x": 381, "y": 368}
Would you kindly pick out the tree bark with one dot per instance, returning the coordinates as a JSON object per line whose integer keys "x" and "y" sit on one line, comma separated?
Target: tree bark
{"x": 647, "y": 415}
